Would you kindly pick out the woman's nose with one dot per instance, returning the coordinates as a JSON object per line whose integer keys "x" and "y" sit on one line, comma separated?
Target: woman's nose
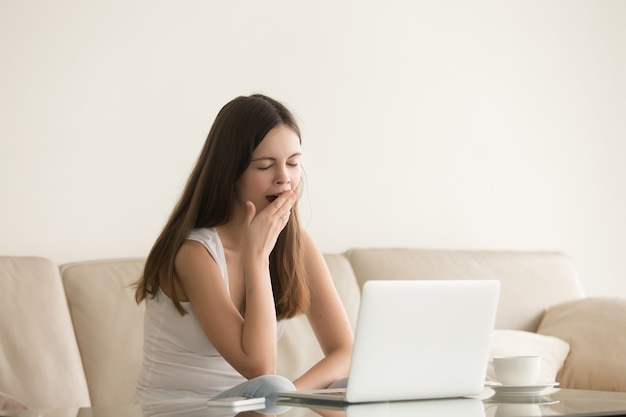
{"x": 282, "y": 178}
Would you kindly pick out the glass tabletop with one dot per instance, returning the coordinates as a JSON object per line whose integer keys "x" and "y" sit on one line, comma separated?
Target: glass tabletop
{"x": 558, "y": 402}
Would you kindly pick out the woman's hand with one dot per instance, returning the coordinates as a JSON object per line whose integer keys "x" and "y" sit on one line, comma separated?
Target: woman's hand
{"x": 264, "y": 227}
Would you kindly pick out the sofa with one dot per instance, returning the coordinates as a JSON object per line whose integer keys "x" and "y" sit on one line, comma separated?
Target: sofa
{"x": 71, "y": 335}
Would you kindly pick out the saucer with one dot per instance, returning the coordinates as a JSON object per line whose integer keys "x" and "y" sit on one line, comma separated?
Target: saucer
{"x": 516, "y": 399}
{"x": 519, "y": 390}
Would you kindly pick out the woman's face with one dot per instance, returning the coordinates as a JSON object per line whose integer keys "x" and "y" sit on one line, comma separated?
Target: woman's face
{"x": 274, "y": 168}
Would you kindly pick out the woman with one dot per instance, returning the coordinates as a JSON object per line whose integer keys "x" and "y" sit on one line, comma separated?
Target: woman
{"x": 231, "y": 263}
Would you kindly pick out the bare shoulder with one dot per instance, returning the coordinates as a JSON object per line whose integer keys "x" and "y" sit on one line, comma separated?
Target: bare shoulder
{"x": 192, "y": 250}
{"x": 193, "y": 260}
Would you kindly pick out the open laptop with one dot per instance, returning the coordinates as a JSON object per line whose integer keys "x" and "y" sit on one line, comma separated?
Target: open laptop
{"x": 418, "y": 340}
{"x": 442, "y": 407}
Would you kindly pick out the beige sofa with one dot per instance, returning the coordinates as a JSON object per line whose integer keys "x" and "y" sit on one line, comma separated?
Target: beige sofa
{"x": 71, "y": 336}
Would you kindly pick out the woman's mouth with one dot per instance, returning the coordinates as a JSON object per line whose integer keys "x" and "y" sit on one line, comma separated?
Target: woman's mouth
{"x": 271, "y": 198}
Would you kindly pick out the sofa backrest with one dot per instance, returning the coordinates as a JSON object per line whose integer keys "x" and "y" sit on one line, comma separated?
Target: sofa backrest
{"x": 40, "y": 363}
{"x": 531, "y": 281}
{"x": 90, "y": 353}
{"x": 108, "y": 325}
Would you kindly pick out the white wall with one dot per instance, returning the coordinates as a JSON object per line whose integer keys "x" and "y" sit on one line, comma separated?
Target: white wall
{"x": 447, "y": 124}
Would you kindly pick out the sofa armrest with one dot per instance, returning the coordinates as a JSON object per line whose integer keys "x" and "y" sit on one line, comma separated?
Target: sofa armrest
{"x": 40, "y": 362}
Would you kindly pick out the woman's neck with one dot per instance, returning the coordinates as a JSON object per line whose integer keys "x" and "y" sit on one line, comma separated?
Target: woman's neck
{"x": 232, "y": 233}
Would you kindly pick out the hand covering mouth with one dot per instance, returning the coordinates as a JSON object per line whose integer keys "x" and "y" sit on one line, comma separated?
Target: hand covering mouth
{"x": 273, "y": 197}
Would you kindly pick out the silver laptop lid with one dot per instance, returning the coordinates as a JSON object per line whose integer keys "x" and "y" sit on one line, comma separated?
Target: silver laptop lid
{"x": 422, "y": 339}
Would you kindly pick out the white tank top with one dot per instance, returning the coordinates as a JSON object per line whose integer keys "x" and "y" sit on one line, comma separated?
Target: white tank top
{"x": 178, "y": 359}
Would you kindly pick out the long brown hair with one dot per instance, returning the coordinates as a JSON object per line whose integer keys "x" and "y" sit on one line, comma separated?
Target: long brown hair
{"x": 209, "y": 197}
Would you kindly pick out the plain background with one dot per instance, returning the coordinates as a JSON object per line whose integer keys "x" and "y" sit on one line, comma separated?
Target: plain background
{"x": 432, "y": 124}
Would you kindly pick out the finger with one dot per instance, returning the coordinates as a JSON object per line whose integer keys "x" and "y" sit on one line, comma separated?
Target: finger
{"x": 251, "y": 211}
{"x": 285, "y": 215}
{"x": 286, "y": 200}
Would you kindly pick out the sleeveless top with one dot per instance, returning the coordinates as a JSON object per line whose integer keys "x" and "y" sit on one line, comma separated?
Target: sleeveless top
{"x": 179, "y": 361}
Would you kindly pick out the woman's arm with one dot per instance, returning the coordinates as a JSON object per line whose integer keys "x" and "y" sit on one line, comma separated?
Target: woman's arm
{"x": 225, "y": 327}
{"x": 328, "y": 320}
{"x": 247, "y": 341}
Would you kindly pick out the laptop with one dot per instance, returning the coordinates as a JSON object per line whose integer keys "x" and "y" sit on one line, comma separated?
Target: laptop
{"x": 418, "y": 339}
{"x": 443, "y": 407}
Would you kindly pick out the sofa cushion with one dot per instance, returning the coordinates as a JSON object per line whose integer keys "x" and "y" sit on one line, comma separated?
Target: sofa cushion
{"x": 39, "y": 360}
{"x": 595, "y": 328}
{"x": 531, "y": 281}
{"x": 108, "y": 325}
{"x": 553, "y": 351}
{"x": 8, "y": 402}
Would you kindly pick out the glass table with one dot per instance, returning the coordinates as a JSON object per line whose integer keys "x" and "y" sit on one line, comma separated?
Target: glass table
{"x": 557, "y": 402}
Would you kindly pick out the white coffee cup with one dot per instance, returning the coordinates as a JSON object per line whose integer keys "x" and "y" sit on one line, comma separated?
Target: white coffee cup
{"x": 517, "y": 370}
